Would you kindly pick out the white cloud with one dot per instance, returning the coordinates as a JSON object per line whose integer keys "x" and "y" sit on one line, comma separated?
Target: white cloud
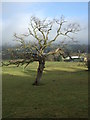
{"x": 0, "y": 32}
{"x": 0, "y": 24}
{"x": 19, "y": 24}
{"x": 82, "y": 36}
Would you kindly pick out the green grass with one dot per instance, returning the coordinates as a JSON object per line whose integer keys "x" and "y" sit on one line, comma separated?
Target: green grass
{"x": 63, "y": 92}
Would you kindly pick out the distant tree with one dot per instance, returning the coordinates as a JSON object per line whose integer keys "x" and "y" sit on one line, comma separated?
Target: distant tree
{"x": 40, "y": 30}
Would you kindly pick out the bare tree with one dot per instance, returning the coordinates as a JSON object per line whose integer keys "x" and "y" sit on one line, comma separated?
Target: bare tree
{"x": 40, "y": 30}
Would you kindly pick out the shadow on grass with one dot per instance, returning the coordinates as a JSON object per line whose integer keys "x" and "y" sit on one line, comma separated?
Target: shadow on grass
{"x": 53, "y": 71}
{"x": 60, "y": 94}
{"x": 53, "y": 75}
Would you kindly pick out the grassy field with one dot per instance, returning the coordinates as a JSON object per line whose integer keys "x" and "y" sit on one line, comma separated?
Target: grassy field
{"x": 63, "y": 92}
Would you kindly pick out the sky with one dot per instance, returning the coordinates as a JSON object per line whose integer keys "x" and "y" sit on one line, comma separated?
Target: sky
{"x": 16, "y": 17}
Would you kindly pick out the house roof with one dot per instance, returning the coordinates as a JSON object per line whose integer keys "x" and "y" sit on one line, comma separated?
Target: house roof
{"x": 73, "y": 57}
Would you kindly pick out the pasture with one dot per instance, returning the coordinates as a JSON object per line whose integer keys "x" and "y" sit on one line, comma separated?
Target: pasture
{"x": 63, "y": 92}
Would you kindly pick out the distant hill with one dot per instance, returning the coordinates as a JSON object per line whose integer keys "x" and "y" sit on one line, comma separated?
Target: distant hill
{"x": 72, "y": 49}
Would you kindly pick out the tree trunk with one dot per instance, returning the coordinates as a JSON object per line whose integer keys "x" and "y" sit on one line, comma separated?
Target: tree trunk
{"x": 39, "y": 71}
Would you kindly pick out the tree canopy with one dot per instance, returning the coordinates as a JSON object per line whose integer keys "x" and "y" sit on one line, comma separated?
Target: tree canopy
{"x": 44, "y": 32}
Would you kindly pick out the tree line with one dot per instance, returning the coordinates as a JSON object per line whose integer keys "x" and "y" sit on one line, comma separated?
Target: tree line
{"x": 72, "y": 49}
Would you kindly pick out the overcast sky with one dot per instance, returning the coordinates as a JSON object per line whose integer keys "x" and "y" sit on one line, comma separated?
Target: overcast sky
{"x": 16, "y": 16}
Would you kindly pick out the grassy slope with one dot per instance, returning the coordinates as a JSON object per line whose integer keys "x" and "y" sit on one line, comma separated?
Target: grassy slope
{"x": 63, "y": 91}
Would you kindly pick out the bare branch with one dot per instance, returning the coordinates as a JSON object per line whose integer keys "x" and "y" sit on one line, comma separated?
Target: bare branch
{"x": 60, "y": 24}
{"x": 58, "y": 50}
{"x": 72, "y": 28}
{"x": 48, "y": 31}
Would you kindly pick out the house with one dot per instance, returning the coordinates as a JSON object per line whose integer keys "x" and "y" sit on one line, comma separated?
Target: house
{"x": 74, "y": 59}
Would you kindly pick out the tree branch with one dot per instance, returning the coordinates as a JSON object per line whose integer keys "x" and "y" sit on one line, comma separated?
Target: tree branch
{"x": 58, "y": 50}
